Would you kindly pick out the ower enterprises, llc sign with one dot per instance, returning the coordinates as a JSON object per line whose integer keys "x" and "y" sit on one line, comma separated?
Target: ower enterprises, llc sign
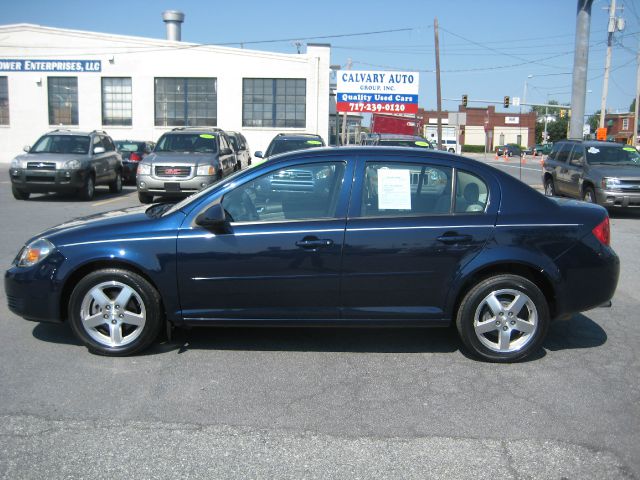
{"x": 365, "y": 91}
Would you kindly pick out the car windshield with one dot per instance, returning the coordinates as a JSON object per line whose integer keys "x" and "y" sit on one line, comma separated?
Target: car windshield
{"x": 128, "y": 146}
{"x": 187, "y": 142}
{"x": 399, "y": 142}
{"x": 612, "y": 155}
{"x": 205, "y": 191}
{"x": 62, "y": 144}
{"x": 283, "y": 146}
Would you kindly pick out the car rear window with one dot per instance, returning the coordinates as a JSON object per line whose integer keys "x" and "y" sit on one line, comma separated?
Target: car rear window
{"x": 129, "y": 146}
{"x": 614, "y": 154}
{"x": 187, "y": 142}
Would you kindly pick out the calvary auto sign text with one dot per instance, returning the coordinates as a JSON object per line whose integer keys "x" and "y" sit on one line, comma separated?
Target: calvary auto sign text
{"x": 388, "y": 92}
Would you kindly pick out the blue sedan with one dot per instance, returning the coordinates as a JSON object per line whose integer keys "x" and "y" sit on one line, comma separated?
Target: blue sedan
{"x": 334, "y": 236}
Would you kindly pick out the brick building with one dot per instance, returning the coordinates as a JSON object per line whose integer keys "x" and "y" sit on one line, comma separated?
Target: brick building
{"x": 619, "y": 127}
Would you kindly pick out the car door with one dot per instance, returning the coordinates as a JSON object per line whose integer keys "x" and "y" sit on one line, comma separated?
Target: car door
{"x": 561, "y": 170}
{"x": 99, "y": 161}
{"x": 279, "y": 257}
{"x": 408, "y": 236}
{"x": 113, "y": 158}
{"x": 575, "y": 171}
{"x": 227, "y": 155}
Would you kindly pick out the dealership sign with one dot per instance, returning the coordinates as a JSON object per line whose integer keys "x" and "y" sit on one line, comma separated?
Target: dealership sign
{"x": 385, "y": 92}
{"x": 50, "y": 65}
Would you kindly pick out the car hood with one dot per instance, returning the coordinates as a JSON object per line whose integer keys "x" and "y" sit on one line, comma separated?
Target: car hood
{"x": 127, "y": 223}
{"x": 619, "y": 171}
{"x": 180, "y": 158}
{"x": 58, "y": 158}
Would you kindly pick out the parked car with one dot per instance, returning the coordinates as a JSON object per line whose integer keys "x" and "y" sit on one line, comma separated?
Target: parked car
{"x": 289, "y": 142}
{"x": 132, "y": 152}
{"x": 67, "y": 161}
{"x": 241, "y": 147}
{"x": 185, "y": 160}
{"x": 542, "y": 149}
{"x": 380, "y": 237}
{"x": 597, "y": 172}
{"x": 397, "y": 140}
{"x": 509, "y": 150}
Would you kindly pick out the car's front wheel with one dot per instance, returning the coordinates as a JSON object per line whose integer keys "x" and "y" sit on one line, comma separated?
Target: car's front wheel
{"x": 116, "y": 185}
{"x": 503, "y": 318}
{"x": 89, "y": 189}
{"x": 19, "y": 194}
{"x": 115, "y": 312}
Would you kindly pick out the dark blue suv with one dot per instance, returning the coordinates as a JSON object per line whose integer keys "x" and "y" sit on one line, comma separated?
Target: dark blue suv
{"x": 383, "y": 236}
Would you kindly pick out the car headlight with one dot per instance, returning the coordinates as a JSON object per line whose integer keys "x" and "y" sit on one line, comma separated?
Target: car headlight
{"x": 35, "y": 252}
{"x": 72, "y": 164}
{"x": 206, "y": 170}
{"x": 15, "y": 163}
{"x": 144, "y": 169}
{"x": 610, "y": 182}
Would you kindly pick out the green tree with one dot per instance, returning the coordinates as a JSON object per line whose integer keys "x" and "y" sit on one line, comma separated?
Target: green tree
{"x": 556, "y": 130}
{"x": 594, "y": 121}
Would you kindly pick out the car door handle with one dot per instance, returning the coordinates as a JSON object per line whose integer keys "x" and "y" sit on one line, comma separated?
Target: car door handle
{"x": 454, "y": 238}
{"x": 314, "y": 243}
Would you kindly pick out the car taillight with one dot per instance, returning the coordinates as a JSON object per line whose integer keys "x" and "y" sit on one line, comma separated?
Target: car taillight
{"x": 603, "y": 231}
{"x": 135, "y": 157}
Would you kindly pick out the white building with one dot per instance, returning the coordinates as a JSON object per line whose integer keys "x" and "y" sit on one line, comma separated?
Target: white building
{"x": 138, "y": 88}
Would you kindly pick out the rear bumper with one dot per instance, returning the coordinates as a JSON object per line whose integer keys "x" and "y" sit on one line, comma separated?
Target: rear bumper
{"x": 613, "y": 199}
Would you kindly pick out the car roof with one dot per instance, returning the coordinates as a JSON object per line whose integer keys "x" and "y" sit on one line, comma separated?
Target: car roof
{"x": 186, "y": 130}
{"x": 60, "y": 131}
{"x": 593, "y": 143}
{"x": 296, "y": 136}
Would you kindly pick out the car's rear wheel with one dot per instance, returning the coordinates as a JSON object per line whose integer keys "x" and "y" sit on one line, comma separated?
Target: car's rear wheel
{"x": 145, "y": 197}
{"x": 549, "y": 187}
{"x": 89, "y": 189}
{"x": 115, "y": 312}
{"x": 503, "y": 318}
{"x": 19, "y": 194}
{"x": 116, "y": 185}
{"x": 589, "y": 195}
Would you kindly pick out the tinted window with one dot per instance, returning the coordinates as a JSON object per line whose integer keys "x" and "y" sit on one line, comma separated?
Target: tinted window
{"x": 393, "y": 189}
{"x": 577, "y": 155}
{"x": 62, "y": 144}
{"x": 124, "y": 146}
{"x": 472, "y": 194}
{"x": 283, "y": 146}
{"x": 108, "y": 144}
{"x": 554, "y": 151}
{"x": 234, "y": 143}
{"x": 187, "y": 142}
{"x": 613, "y": 154}
{"x": 563, "y": 152}
{"x": 301, "y": 193}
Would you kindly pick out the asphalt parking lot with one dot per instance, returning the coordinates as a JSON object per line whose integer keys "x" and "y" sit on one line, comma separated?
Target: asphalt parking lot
{"x": 318, "y": 403}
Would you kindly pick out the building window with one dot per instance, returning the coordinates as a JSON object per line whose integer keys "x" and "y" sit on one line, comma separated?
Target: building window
{"x": 116, "y": 101}
{"x": 4, "y": 101}
{"x": 625, "y": 124}
{"x": 63, "y": 100}
{"x": 274, "y": 102}
{"x": 186, "y": 102}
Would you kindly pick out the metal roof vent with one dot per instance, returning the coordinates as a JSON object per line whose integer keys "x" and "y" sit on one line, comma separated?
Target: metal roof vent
{"x": 173, "y": 19}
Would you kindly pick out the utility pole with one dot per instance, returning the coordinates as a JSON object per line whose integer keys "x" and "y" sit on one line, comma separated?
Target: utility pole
{"x": 635, "y": 117}
{"x": 580, "y": 64}
{"x": 614, "y": 24}
{"x": 344, "y": 114}
{"x": 438, "y": 92}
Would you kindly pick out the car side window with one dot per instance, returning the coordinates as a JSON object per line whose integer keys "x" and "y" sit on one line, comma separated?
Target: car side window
{"x": 97, "y": 142}
{"x": 472, "y": 194}
{"x": 108, "y": 144}
{"x": 563, "y": 153}
{"x": 405, "y": 189}
{"x": 303, "y": 192}
{"x": 554, "y": 151}
{"x": 577, "y": 155}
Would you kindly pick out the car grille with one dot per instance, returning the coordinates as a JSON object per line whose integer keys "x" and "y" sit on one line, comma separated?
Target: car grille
{"x": 162, "y": 171}
{"x": 631, "y": 185}
{"x": 40, "y": 178}
{"x": 41, "y": 166}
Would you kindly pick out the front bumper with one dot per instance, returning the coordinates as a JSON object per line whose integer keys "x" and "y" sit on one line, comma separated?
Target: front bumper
{"x": 42, "y": 181}
{"x": 618, "y": 198}
{"x": 173, "y": 185}
{"x": 34, "y": 292}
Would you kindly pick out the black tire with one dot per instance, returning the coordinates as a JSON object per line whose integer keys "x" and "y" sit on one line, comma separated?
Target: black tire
{"x": 89, "y": 189}
{"x": 589, "y": 194}
{"x": 549, "y": 187}
{"x": 142, "y": 306}
{"x": 451, "y": 150}
{"x": 485, "y": 342}
{"x": 20, "y": 194}
{"x": 145, "y": 197}
{"x": 116, "y": 185}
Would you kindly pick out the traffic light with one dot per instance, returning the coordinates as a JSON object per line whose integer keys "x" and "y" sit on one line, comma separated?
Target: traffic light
{"x": 465, "y": 99}
{"x": 506, "y": 101}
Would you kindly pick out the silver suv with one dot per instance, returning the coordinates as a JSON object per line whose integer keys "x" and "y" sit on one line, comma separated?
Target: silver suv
{"x": 67, "y": 161}
{"x": 185, "y": 160}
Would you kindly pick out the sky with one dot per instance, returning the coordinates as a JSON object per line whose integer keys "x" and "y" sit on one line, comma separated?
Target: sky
{"x": 488, "y": 49}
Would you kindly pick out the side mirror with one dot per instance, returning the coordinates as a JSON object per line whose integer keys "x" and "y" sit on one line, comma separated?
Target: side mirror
{"x": 26, "y": 148}
{"x": 98, "y": 150}
{"x": 258, "y": 154}
{"x": 213, "y": 217}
